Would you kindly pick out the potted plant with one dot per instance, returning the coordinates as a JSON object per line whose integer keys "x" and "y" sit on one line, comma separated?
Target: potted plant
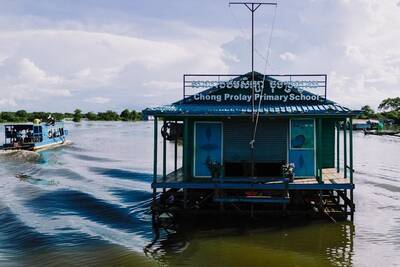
{"x": 215, "y": 168}
{"x": 288, "y": 171}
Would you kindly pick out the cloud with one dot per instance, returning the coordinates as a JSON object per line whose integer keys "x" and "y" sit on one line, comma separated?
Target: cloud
{"x": 354, "y": 42}
{"x": 287, "y": 56}
{"x": 98, "y": 100}
{"x": 60, "y": 56}
{"x": 21, "y": 80}
{"x": 81, "y": 64}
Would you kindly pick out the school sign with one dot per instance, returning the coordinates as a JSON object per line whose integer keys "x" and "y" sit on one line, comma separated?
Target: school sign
{"x": 263, "y": 88}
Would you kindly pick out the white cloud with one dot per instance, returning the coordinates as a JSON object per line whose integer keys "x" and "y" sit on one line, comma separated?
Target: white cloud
{"x": 51, "y": 63}
{"x": 354, "y": 42}
{"x": 81, "y": 63}
{"x": 98, "y": 100}
{"x": 22, "y": 80}
{"x": 163, "y": 85}
{"x": 287, "y": 56}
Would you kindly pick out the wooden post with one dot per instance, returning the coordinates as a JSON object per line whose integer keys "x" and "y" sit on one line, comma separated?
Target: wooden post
{"x": 185, "y": 195}
{"x": 337, "y": 147}
{"x": 345, "y": 147}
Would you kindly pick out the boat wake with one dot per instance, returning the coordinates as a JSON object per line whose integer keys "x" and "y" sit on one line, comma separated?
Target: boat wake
{"x": 19, "y": 155}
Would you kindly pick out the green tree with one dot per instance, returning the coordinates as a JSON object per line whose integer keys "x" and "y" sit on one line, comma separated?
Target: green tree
{"x": 91, "y": 116}
{"x": 21, "y": 114}
{"x": 38, "y": 115}
{"x": 8, "y": 117}
{"x": 126, "y": 115}
{"x": 368, "y": 112}
{"x": 77, "y": 115}
{"x": 109, "y": 115}
{"x": 390, "y": 104}
{"x": 58, "y": 116}
{"x": 135, "y": 115}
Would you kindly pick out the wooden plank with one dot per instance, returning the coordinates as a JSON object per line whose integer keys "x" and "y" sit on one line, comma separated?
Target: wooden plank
{"x": 273, "y": 200}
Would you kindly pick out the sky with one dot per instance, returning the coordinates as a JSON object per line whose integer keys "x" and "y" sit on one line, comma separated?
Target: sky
{"x": 58, "y": 55}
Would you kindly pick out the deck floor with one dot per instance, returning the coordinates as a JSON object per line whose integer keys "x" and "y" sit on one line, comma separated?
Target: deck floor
{"x": 331, "y": 179}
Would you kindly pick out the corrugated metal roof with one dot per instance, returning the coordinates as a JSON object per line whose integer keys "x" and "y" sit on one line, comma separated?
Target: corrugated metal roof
{"x": 212, "y": 109}
{"x": 189, "y": 106}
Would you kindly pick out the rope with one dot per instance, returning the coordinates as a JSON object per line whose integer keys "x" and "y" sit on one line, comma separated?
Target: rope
{"x": 268, "y": 52}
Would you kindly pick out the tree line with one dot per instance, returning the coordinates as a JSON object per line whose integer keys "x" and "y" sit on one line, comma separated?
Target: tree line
{"x": 22, "y": 116}
{"x": 388, "y": 109}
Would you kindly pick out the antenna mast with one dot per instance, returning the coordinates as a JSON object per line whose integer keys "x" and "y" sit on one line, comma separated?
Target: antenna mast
{"x": 252, "y": 6}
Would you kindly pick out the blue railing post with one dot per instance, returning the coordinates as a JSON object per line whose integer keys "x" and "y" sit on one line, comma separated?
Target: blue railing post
{"x": 155, "y": 152}
{"x": 337, "y": 147}
{"x": 320, "y": 149}
{"x": 351, "y": 149}
{"x": 345, "y": 147}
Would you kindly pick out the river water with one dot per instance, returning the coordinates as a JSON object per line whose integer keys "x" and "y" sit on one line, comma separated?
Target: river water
{"x": 87, "y": 204}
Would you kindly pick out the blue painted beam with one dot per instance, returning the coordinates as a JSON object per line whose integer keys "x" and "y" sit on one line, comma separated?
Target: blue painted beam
{"x": 252, "y": 186}
{"x": 250, "y": 179}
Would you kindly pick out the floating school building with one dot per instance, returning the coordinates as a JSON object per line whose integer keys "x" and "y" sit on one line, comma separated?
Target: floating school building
{"x": 274, "y": 147}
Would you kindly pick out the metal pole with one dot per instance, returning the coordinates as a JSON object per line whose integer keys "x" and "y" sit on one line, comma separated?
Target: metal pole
{"x": 186, "y": 148}
{"x": 351, "y": 148}
{"x": 345, "y": 147}
{"x": 252, "y": 90}
{"x": 337, "y": 147}
{"x": 155, "y": 159}
{"x": 351, "y": 165}
{"x": 164, "y": 156}
{"x": 184, "y": 86}
{"x": 319, "y": 149}
{"x": 252, "y": 62}
{"x": 252, "y": 6}
{"x": 176, "y": 147}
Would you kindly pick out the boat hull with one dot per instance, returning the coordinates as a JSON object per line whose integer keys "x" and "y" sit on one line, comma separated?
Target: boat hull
{"x": 36, "y": 147}
{"x": 49, "y": 146}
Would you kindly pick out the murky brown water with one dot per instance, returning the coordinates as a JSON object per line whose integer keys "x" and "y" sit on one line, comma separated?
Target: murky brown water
{"x": 88, "y": 205}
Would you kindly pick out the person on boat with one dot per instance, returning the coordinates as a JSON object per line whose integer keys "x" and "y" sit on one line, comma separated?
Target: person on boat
{"x": 19, "y": 137}
{"x": 29, "y": 136}
{"x": 50, "y": 120}
{"x": 14, "y": 135}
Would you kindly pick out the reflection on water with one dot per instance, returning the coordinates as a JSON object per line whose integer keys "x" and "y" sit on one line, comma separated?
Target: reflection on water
{"x": 87, "y": 204}
{"x": 259, "y": 243}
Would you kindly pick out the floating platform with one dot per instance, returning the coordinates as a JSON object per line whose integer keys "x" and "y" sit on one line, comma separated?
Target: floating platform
{"x": 331, "y": 180}
{"x": 282, "y": 155}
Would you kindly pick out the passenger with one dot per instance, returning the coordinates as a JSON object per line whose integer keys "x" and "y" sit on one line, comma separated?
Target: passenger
{"x": 50, "y": 120}
{"x": 19, "y": 137}
{"x": 29, "y": 137}
{"x": 14, "y": 135}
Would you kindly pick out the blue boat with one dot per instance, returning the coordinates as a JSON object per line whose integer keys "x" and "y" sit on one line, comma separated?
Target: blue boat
{"x": 34, "y": 136}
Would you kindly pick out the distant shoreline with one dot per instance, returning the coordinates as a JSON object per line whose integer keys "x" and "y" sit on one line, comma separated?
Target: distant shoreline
{"x": 23, "y": 116}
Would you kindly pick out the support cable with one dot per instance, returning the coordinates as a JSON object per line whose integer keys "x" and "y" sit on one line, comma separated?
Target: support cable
{"x": 247, "y": 37}
{"x": 268, "y": 52}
